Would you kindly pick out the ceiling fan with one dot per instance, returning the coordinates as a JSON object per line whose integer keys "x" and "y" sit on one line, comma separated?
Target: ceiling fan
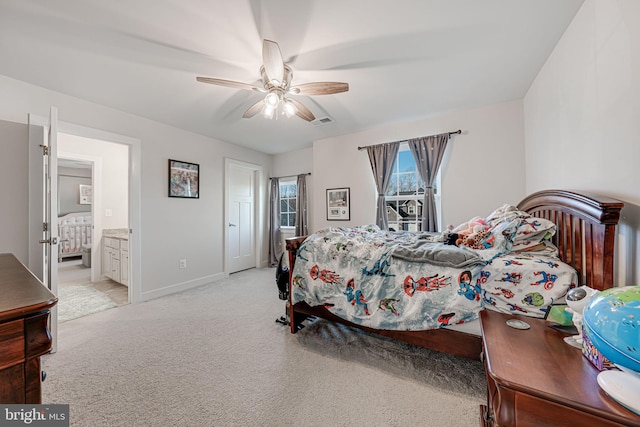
{"x": 276, "y": 83}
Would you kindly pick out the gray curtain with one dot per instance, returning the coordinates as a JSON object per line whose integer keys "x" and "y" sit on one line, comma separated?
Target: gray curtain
{"x": 428, "y": 152}
{"x": 275, "y": 236}
{"x": 302, "y": 221}
{"x": 382, "y": 158}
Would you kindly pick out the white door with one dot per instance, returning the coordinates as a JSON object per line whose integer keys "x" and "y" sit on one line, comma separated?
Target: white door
{"x": 43, "y": 207}
{"x": 241, "y": 224}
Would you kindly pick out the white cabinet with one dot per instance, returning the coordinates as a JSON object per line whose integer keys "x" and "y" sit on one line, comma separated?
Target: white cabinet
{"x": 124, "y": 262}
{"x": 115, "y": 259}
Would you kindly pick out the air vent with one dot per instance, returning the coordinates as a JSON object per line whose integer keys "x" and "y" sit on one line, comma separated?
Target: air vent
{"x": 322, "y": 121}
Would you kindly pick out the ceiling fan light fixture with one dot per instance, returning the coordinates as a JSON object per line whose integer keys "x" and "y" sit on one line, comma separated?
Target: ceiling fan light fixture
{"x": 289, "y": 109}
{"x": 276, "y": 83}
{"x": 272, "y": 99}
{"x": 268, "y": 111}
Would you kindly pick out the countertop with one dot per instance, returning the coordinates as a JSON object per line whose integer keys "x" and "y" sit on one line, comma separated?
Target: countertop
{"x": 116, "y": 233}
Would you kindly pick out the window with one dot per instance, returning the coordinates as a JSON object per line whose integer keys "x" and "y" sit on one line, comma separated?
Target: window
{"x": 405, "y": 193}
{"x": 288, "y": 201}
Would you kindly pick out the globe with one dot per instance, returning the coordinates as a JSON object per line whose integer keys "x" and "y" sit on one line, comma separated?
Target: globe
{"x": 612, "y": 322}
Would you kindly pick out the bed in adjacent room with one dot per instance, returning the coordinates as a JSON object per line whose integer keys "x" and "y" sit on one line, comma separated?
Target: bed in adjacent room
{"x": 428, "y": 289}
{"x": 75, "y": 231}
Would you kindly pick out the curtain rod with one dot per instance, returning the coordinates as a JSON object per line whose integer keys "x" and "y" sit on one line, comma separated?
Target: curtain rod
{"x": 457, "y": 132}
{"x": 289, "y": 176}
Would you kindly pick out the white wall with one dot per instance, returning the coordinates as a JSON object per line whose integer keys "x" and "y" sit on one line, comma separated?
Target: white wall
{"x": 114, "y": 162}
{"x": 14, "y": 208}
{"x": 582, "y": 117}
{"x": 483, "y": 167}
{"x": 171, "y": 228}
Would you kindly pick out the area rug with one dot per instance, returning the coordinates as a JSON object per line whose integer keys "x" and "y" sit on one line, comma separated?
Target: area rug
{"x": 81, "y": 300}
{"x": 442, "y": 371}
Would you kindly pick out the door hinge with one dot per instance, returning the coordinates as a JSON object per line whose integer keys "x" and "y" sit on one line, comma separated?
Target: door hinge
{"x": 45, "y": 150}
{"x": 45, "y": 226}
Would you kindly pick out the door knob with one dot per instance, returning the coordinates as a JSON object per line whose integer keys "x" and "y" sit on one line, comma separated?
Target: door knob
{"x": 53, "y": 241}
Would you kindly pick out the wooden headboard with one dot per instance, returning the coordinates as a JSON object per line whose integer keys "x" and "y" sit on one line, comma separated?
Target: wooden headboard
{"x": 586, "y": 227}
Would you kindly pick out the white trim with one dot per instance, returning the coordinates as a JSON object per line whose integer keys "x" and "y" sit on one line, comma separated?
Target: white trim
{"x": 179, "y": 287}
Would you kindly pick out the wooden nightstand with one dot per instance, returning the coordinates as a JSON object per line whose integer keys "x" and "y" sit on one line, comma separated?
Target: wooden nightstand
{"x": 535, "y": 379}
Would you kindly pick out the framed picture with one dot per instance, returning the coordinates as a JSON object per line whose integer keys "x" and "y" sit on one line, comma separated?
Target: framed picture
{"x": 86, "y": 194}
{"x": 338, "y": 208}
{"x": 184, "y": 179}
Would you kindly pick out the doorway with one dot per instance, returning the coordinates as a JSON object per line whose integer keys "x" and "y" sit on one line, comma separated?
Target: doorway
{"x": 82, "y": 287}
{"x": 241, "y": 214}
{"x": 43, "y": 230}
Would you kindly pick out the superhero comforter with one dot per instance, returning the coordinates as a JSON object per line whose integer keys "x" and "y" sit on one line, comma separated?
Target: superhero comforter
{"x": 414, "y": 281}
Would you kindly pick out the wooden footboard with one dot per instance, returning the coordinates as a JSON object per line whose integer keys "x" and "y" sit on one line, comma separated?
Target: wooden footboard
{"x": 585, "y": 236}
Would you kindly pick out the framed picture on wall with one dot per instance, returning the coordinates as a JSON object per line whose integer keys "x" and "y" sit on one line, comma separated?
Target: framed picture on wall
{"x": 184, "y": 179}
{"x": 338, "y": 208}
{"x": 86, "y": 194}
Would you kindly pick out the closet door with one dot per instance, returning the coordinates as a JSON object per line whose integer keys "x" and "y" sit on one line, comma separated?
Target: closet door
{"x": 241, "y": 224}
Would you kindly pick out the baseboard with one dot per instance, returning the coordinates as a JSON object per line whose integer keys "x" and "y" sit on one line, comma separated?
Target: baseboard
{"x": 179, "y": 287}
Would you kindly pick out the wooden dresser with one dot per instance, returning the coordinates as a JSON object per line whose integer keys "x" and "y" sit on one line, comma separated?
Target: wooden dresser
{"x": 25, "y": 304}
{"x": 536, "y": 379}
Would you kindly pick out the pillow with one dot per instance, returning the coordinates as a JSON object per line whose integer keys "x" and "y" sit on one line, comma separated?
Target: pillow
{"x": 531, "y": 230}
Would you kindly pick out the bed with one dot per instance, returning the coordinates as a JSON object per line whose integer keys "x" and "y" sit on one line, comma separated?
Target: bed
{"x": 74, "y": 231}
{"x": 578, "y": 227}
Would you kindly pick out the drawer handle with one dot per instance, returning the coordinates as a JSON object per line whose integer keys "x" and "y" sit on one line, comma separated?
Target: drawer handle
{"x": 44, "y": 375}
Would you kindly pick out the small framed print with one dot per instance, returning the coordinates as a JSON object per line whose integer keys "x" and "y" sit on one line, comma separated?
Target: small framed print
{"x": 338, "y": 204}
{"x": 184, "y": 179}
{"x": 86, "y": 195}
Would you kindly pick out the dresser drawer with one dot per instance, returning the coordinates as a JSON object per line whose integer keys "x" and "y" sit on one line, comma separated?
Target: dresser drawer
{"x": 37, "y": 335}
{"x": 531, "y": 411}
{"x": 12, "y": 339}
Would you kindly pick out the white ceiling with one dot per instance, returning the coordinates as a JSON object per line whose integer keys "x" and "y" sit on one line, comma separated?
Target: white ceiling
{"x": 403, "y": 59}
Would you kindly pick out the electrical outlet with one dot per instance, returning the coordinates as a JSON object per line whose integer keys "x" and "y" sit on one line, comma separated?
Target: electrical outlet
{"x": 183, "y": 263}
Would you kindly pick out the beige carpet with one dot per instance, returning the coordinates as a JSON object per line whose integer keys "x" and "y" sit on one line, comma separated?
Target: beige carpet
{"x": 214, "y": 356}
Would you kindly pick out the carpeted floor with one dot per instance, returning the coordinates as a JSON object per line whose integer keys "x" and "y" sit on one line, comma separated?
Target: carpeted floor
{"x": 214, "y": 356}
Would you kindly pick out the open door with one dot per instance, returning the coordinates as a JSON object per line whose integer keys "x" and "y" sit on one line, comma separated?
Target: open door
{"x": 43, "y": 207}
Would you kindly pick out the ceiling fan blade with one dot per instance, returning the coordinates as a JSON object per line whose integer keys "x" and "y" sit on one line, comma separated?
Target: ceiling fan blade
{"x": 254, "y": 109}
{"x": 229, "y": 83}
{"x": 319, "y": 88}
{"x": 272, "y": 61}
{"x": 302, "y": 111}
